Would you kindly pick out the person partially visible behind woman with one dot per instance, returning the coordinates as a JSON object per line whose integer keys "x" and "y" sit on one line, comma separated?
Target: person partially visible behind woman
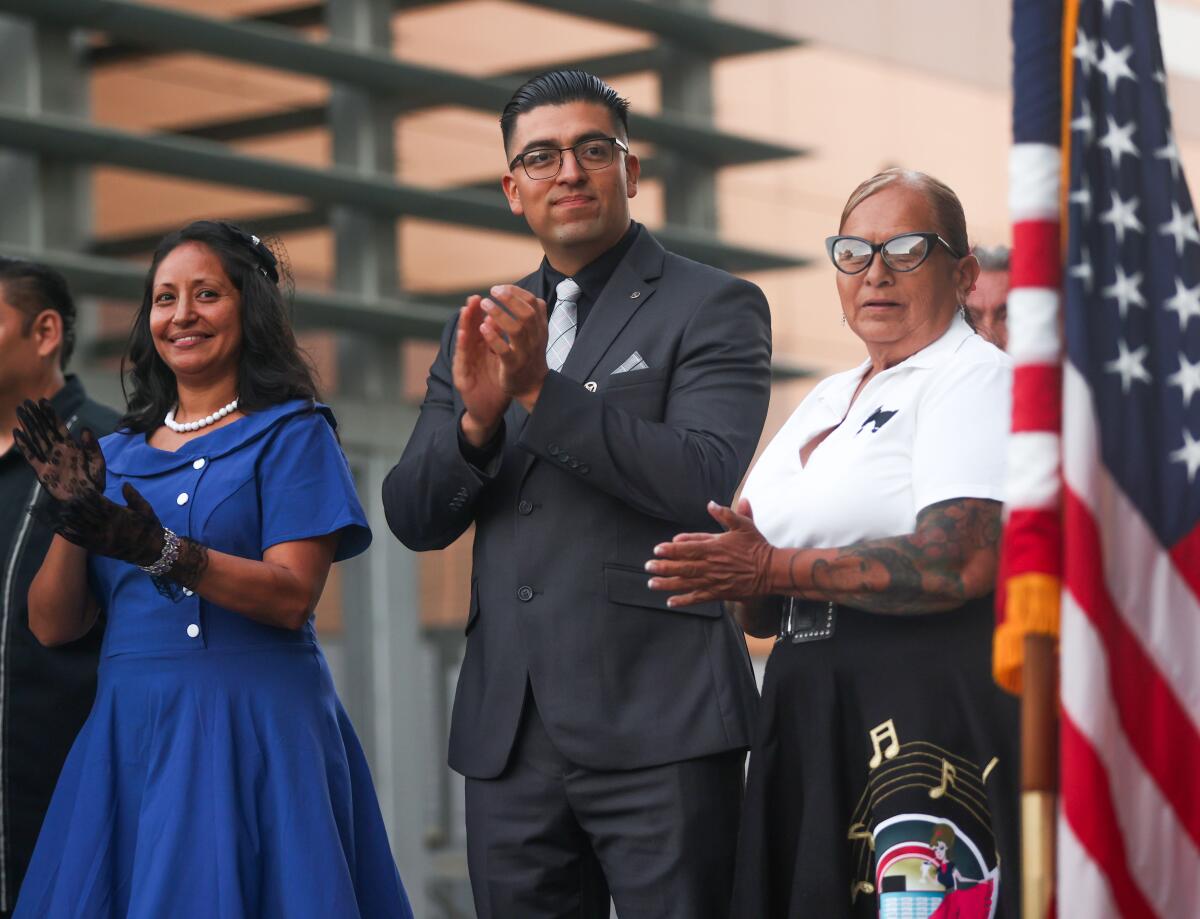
{"x": 883, "y": 773}
{"x": 217, "y": 776}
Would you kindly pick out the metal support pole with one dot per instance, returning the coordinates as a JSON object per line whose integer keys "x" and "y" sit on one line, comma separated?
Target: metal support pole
{"x": 689, "y": 183}
{"x": 46, "y": 201}
{"x": 387, "y": 676}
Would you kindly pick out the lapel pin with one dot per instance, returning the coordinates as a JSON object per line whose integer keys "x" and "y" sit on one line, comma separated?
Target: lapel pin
{"x": 635, "y": 295}
{"x": 590, "y": 385}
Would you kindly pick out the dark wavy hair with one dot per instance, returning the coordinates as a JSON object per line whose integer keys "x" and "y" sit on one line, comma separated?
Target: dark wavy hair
{"x": 271, "y": 366}
{"x": 558, "y": 87}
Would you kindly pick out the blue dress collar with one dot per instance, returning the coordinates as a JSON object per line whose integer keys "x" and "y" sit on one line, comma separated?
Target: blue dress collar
{"x": 128, "y": 454}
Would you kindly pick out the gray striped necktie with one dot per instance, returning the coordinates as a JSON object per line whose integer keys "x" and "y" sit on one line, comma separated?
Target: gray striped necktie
{"x": 564, "y": 321}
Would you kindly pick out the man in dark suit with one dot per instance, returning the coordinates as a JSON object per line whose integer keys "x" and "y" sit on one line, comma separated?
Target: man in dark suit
{"x": 578, "y": 418}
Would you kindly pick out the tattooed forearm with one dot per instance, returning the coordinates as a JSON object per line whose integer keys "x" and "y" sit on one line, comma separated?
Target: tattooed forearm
{"x": 950, "y": 558}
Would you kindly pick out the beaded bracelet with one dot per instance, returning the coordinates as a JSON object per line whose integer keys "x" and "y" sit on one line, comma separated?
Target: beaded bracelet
{"x": 166, "y": 561}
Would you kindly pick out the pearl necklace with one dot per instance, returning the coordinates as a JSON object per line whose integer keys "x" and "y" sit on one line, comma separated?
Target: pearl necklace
{"x": 204, "y": 422}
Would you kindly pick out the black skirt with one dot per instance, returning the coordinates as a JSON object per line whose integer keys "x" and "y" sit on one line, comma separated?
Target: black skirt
{"x": 884, "y": 774}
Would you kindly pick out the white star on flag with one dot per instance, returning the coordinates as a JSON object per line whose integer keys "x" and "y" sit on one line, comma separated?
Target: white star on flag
{"x": 1186, "y": 303}
{"x": 1083, "y": 197}
{"x": 1115, "y": 65}
{"x": 1119, "y": 141}
{"x": 1085, "y": 51}
{"x": 1182, "y": 226}
{"x": 1130, "y": 365}
{"x": 1083, "y": 270}
{"x": 1189, "y": 453}
{"x": 1123, "y": 216}
{"x": 1126, "y": 291}
{"x": 1170, "y": 152}
{"x": 1187, "y": 378}
{"x": 1085, "y": 124}
{"x": 1109, "y": 4}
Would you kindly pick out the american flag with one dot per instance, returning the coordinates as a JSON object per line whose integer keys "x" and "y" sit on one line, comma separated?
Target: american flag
{"x": 1129, "y": 825}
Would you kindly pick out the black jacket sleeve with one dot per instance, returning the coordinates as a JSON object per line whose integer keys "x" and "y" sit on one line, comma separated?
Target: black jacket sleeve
{"x": 429, "y": 496}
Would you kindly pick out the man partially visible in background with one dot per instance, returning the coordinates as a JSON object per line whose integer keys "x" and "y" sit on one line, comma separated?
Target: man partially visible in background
{"x": 45, "y": 694}
{"x": 987, "y": 303}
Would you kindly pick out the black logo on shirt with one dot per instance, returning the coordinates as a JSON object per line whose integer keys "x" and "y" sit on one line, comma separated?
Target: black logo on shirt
{"x": 879, "y": 418}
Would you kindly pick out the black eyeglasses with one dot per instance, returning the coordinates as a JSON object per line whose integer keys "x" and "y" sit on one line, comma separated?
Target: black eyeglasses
{"x": 591, "y": 154}
{"x": 906, "y": 252}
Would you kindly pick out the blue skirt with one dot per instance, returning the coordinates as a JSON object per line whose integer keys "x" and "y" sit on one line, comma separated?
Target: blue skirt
{"x": 214, "y": 785}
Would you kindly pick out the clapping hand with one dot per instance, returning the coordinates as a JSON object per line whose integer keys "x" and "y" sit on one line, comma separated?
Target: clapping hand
{"x": 65, "y": 468}
{"x": 698, "y": 567}
{"x": 74, "y": 475}
{"x": 131, "y": 533}
{"x": 476, "y": 370}
{"x": 516, "y": 331}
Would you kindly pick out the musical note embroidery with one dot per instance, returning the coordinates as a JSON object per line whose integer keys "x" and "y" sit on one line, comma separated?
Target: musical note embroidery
{"x": 949, "y": 774}
{"x": 860, "y": 887}
{"x": 860, "y": 831}
{"x": 987, "y": 770}
{"x": 885, "y": 731}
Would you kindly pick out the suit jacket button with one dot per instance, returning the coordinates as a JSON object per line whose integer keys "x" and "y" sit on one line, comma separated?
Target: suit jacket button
{"x": 524, "y": 594}
{"x": 552, "y": 449}
{"x": 585, "y": 469}
{"x": 525, "y": 507}
{"x": 573, "y": 463}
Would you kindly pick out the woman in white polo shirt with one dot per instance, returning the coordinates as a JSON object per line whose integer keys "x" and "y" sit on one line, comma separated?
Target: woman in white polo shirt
{"x": 883, "y": 774}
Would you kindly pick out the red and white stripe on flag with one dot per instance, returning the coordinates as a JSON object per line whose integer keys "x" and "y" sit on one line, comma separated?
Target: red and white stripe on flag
{"x": 1029, "y": 582}
{"x": 1129, "y": 825}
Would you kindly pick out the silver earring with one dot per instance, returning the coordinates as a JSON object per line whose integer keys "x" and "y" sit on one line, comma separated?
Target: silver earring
{"x": 843, "y": 318}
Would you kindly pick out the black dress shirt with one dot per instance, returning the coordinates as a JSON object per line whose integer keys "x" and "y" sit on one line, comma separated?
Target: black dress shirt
{"x": 592, "y": 277}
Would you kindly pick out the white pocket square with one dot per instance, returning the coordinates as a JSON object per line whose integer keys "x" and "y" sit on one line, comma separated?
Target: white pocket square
{"x": 633, "y": 362}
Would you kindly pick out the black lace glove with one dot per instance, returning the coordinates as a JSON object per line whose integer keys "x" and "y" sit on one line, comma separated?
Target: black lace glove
{"x": 133, "y": 534}
{"x": 73, "y": 474}
{"x": 65, "y": 468}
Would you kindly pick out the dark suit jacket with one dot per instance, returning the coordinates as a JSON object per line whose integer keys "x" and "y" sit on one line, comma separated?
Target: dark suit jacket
{"x": 568, "y": 513}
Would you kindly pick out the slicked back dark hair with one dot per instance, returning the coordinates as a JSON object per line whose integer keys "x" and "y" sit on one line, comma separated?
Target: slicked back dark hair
{"x": 30, "y": 288}
{"x": 558, "y": 87}
{"x": 271, "y": 366}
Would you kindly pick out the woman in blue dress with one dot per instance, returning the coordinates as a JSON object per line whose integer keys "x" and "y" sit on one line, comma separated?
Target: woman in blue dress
{"x": 217, "y": 775}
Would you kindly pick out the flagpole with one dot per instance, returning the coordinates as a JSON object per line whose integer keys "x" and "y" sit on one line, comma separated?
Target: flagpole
{"x": 1040, "y": 673}
{"x": 1025, "y": 650}
{"x": 1039, "y": 774}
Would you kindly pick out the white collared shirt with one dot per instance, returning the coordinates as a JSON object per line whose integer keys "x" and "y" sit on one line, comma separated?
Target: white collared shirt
{"x": 931, "y": 428}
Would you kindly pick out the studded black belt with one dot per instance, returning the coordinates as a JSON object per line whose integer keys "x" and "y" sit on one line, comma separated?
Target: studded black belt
{"x": 806, "y": 620}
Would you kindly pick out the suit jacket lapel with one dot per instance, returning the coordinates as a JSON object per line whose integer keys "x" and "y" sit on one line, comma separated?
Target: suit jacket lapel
{"x": 631, "y": 285}
{"x": 636, "y": 273}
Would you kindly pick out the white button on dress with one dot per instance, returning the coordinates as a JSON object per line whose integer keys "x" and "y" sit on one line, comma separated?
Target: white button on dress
{"x": 193, "y": 630}
{"x": 182, "y": 499}
{"x": 199, "y": 464}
